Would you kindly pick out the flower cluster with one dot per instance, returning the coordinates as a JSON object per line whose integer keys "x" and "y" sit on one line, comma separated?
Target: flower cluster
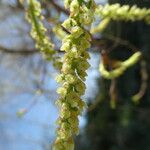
{"x": 73, "y": 71}
{"x": 38, "y": 31}
{"x": 121, "y": 68}
{"x": 125, "y": 12}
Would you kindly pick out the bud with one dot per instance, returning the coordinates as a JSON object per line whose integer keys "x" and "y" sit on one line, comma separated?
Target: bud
{"x": 66, "y": 46}
{"x": 59, "y": 78}
{"x": 76, "y": 31}
{"x": 62, "y": 91}
{"x": 67, "y": 3}
{"x": 70, "y": 78}
{"x": 74, "y": 6}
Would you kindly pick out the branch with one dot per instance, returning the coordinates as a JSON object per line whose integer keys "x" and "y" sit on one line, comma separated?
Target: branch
{"x": 102, "y": 43}
{"x": 52, "y": 2}
{"x": 20, "y": 52}
{"x": 121, "y": 41}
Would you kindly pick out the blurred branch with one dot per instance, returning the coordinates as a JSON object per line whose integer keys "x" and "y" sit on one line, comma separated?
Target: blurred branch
{"x": 15, "y": 51}
{"x": 23, "y": 51}
{"x": 18, "y": 6}
{"x": 45, "y": 4}
{"x": 113, "y": 93}
{"x": 121, "y": 41}
{"x": 100, "y": 43}
{"x": 144, "y": 82}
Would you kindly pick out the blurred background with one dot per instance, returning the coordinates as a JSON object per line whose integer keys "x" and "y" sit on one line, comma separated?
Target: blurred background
{"x": 28, "y": 88}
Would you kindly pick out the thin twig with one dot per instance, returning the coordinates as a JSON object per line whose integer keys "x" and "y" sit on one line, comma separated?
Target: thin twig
{"x": 16, "y": 51}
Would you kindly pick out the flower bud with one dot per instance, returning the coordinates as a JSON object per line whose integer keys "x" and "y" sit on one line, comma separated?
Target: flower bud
{"x": 62, "y": 91}
{"x": 59, "y": 78}
{"x": 74, "y": 6}
{"x": 67, "y": 3}
{"x": 65, "y": 111}
{"x": 70, "y": 78}
{"x": 76, "y": 31}
{"x": 66, "y": 46}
